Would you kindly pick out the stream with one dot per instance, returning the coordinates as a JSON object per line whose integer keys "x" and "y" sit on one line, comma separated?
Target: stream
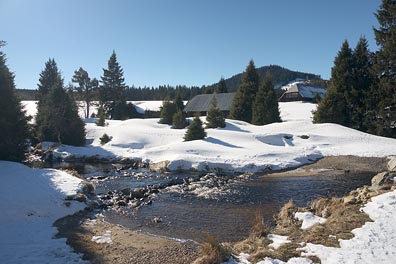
{"x": 190, "y": 206}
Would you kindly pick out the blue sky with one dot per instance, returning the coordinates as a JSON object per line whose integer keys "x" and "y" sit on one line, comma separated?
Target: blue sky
{"x": 179, "y": 41}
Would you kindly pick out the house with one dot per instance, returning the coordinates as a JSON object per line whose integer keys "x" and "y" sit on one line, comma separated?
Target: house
{"x": 302, "y": 92}
{"x": 203, "y": 102}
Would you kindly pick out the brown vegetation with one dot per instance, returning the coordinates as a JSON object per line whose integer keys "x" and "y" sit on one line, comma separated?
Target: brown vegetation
{"x": 213, "y": 252}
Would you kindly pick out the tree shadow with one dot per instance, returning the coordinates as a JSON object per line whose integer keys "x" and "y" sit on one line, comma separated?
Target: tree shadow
{"x": 220, "y": 142}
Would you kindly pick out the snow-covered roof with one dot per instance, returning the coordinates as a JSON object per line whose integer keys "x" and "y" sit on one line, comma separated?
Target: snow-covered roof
{"x": 306, "y": 91}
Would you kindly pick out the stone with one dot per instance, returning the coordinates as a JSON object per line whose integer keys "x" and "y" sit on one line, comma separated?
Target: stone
{"x": 350, "y": 199}
{"x": 161, "y": 166}
{"x": 381, "y": 179}
{"x": 80, "y": 197}
{"x": 157, "y": 219}
{"x": 392, "y": 164}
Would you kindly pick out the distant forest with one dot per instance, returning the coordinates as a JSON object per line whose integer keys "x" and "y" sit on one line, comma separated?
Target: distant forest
{"x": 280, "y": 76}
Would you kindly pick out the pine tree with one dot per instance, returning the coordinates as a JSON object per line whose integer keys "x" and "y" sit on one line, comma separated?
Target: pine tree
{"x": 14, "y": 130}
{"x": 195, "y": 130}
{"x": 266, "y": 107}
{"x": 178, "y": 120}
{"x": 112, "y": 90}
{"x": 86, "y": 87}
{"x": 168, "y": 109}
{"x": 215, "y": 117}
{"x": 241, "y": 108}
{"x": 221, "y": 86}
{"x": 385, "y": 68}
{"x": 57, "y": 117}
{"x": 334, "y": 107}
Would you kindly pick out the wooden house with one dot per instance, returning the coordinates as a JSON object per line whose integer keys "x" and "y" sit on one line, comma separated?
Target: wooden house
{"x": 203, "y": 102}
{"x": 302, "y": 92}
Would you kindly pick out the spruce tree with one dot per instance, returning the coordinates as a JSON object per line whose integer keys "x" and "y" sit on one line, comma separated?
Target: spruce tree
{"x": 385, "y": 69}
{"x": 112, "y": 90}
{"x": 221, "y": 86}
{"x": 334, "y": 107}
{"x": 241, "y": 108}
{"x": 14, "y": 130}
{"x": 178, "y": 120}
{"x": 57, "y": 117}
{"x": 168, "y": 109}
{"x": 86, "y": 87}
{"x": 179, "y": 102}
{"x": 266, "y": 107}
{"x": 195, "y": 130}
{"x": 215, "y": 117}
{"x": 362, "y": 81}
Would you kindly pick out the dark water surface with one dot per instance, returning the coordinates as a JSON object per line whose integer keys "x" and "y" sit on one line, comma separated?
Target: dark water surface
{"x": 226, "y": 211}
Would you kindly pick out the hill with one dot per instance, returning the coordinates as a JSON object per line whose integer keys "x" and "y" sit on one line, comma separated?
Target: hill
{"x": 280, "y": 76}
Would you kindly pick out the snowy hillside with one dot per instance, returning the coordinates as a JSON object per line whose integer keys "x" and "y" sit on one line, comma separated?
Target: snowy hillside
{"x": 30, "y": 202}
{"x": 237, "y": 147}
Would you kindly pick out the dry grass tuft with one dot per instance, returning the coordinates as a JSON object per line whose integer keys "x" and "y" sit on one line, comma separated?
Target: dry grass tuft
{"x": 324, "y": 207}
{"x": 285, "y": 217}
{"x": 284, "y": 253}
{"x": 259, "y": 227}
{"x": 213, "y": 252}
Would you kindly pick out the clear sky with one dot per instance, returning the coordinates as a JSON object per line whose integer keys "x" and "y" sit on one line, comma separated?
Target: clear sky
{"x": 179, "y": 41}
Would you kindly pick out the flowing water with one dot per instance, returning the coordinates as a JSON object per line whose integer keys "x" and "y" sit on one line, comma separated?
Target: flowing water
{"x": 219, "y": 205}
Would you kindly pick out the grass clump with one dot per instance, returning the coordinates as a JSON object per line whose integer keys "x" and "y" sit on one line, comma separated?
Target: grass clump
{"x": 213, "y": 252}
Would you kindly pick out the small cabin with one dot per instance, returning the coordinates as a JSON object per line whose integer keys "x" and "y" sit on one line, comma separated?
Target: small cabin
{"x": 302, "y": 92}
{"x": 202, "y": 103}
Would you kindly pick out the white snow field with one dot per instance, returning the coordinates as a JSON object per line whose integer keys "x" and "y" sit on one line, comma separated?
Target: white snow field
{"x": 31, "y": 200}
{"x": 239, "y": 147}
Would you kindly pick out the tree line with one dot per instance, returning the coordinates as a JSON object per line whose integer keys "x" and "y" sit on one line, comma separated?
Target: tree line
{"x": 361, "y": 92}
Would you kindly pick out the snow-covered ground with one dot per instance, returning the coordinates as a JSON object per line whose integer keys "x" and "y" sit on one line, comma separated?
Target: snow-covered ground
{"x": 30, "y": 202}
{"x": 237, "y": 147}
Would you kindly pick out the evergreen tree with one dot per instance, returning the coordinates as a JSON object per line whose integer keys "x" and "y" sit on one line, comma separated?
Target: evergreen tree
{"x": 178, "y": 120}
{"x": 195, "y": 130}
{"x": 101, "y": 117}
{"x": 362, "y": 81}
{"x": 385, "y": 68}
{"x": 57, "y": 117}
{"x": 168, "y": 109}
{"x": 334, "y": 107}
{"x": 266, "y": 107}
{"x": 179, "y": 102}
{"x": 221, "y": 86}
{"x": 215, "y": 117}
{"x": 241, "y": 108}
{"x": 112, "y": 90}
{"x": 86, "y": 87}
{"x": 13, "y": 121}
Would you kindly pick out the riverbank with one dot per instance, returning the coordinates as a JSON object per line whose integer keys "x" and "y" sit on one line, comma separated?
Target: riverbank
{"x": 336, "y": 165}
{"x": 355, "y": 228}
{"x": 129, "y": 246}
{"x": 101, "y": 242}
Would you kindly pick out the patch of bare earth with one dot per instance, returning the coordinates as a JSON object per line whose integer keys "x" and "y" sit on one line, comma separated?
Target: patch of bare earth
{"x": 126, "y": 246}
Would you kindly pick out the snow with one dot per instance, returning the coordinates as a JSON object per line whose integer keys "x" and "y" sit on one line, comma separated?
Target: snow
{"x": 31, "y": 200}
{"x": 277, "y": 240}
{"x": 106, "y": 238}
{"x": 308, "y": 219}
{"x": 243, "y": 259}
{"x": 374, "y": 242}
{"x": 239, "y": 147}
{"x": 293, "y": 111}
